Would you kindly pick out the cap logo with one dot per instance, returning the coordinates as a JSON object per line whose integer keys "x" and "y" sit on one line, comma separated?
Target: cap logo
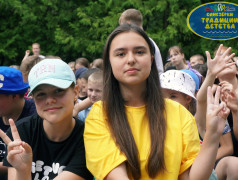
{"x": 1, "y": 79}
{"x": 44, "y": 69}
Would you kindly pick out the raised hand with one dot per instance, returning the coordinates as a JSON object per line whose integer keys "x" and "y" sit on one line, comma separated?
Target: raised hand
{"x": 216, "y": 112}
{"x": 19, "y": 152}
{"x": 220, "y": 61}
{"x": 229, "y": 95}
{"x": 27, "y": 52}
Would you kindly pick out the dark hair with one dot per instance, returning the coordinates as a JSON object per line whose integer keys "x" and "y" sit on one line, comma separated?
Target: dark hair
{"x": 87, "y": 73}
{"x": 201, "y": 68}
{"x": 113, "y": 105}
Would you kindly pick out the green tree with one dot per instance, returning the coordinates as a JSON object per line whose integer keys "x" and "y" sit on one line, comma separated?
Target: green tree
{"x": 72, "y": 29}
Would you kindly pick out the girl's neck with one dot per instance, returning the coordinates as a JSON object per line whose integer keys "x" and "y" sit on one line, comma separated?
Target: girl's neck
{"x": 134, "y": 95}
{"x": 60, "y": 131}
{"x": 182, "y": 65}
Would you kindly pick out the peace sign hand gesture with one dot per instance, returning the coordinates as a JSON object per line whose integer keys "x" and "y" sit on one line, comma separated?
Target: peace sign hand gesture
{"x": 19, "y": 152}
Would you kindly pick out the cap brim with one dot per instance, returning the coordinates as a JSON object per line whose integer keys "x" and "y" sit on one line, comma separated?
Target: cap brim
{"x": 180, "y": 90}
{"x": 22, "y": 91}
{"x": 60, "y": 83}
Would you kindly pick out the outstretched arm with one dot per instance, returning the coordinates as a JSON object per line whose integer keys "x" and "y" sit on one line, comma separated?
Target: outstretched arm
{"x": 27, "y": 53}
{"x": 215, "y": 121}
{"x": 216, "y": 65}
{"x": 81, "y": 106}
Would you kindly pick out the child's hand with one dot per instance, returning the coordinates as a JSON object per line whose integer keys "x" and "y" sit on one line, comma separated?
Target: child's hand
{"x": 216, "y": 112}
{"x": 229, "y": 95}
{"x": 220, "y": 61}
{"x": 27, "y": 52}
{"x": 19, "y": 152}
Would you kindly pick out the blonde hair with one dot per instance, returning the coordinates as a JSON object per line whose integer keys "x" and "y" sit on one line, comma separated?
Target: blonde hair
{"x": 36, "y": 44}
{"x": 96, "y": 77}
{"x": 198, "y": 56}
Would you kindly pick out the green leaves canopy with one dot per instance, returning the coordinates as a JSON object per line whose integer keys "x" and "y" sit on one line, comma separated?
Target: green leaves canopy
{"x": 72, "y": 28}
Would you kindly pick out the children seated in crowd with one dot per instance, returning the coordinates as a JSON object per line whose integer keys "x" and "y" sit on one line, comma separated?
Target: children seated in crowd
{"x": 49, "y": 144}
{"x": 94, "y": 92}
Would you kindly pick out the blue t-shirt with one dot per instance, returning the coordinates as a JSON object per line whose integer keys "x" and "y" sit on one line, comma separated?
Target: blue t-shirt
{"x": 84, "y": 113}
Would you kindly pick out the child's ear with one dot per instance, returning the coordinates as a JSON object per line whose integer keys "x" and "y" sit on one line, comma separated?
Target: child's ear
{"x": 76, "y": 91}
{"x": 188, "y": 99}
{"x": 183, "y": 55}
{"x": 152, "y": 58}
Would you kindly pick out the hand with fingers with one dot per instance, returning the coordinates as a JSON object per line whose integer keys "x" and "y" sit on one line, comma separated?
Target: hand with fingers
{"x": 229, "y": 95}
{"x": 216, "y": 112}
{"x": 27, "y": 52}
{"x": 220, "y": 61}
{"x": 19, "y": 153}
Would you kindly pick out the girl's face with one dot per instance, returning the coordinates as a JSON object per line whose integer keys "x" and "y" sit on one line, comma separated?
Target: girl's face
{"x": 176, "y": 57}
{"x": 179, "y": 97}
{"x": 53, "y": 104}
{"x": 130, "y": 58}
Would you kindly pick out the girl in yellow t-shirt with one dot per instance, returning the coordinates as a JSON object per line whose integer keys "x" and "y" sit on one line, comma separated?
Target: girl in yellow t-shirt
{"x": 134, "y": 133}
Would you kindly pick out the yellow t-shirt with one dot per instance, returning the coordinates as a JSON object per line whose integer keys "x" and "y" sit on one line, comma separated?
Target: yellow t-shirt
{"x": 181, "y": 143}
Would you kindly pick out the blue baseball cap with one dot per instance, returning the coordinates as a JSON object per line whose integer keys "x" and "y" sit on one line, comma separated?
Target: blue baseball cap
{"x": 79, "y": 72}
{"x": 53, "y": 72}
{"x": 11, "y": 81}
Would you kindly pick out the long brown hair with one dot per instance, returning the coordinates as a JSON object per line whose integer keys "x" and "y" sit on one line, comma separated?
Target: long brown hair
{"x": 113, "y": 105}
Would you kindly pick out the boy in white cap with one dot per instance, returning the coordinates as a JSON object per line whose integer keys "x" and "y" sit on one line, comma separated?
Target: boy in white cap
{"x": 49, "y": 144}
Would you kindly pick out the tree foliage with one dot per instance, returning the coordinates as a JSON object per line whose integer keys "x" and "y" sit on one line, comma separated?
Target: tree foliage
{"x": 72, "y": 28}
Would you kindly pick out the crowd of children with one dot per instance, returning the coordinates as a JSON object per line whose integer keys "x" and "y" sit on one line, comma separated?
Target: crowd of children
{"x": 121, "y": 117}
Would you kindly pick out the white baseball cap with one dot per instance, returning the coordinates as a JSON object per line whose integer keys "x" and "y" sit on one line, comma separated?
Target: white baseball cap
{"x": 54, "y": 72}
{"x": 178, "y": 81}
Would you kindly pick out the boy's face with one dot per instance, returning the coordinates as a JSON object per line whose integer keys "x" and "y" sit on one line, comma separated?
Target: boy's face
{"x": 53, "y": 104}
{"x": 6, "y": 104}
{"x": 195, "y": 60}
{"x": 35, "y": 49}
{"x": 94, "y": 91}
{"x": 83, "y": 86}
